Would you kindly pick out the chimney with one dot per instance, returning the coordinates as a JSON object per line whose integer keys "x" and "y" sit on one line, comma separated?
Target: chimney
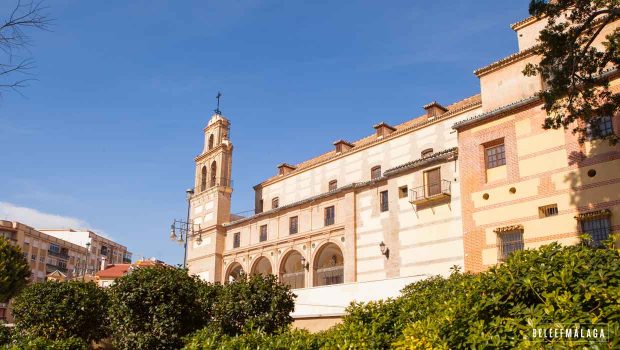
{"x": 342, "y": 146}
{"x": 434, "y": 109}
{"x": 383, "y": 129}
{"x": 284, "y": 168}
{"x": 104, "y": 263}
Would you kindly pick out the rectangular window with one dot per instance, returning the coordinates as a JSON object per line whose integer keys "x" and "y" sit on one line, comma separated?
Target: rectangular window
{"x": 548, "y": 210}
{"x": 403, "y": 191}
{"x": 433, "y": 182}
{"x": 375, "y": 172}
{"x": 495, "y": 156}
{"x": 333, "y": 185}
{"x": 33, "y": 257}
{"x": 236, "y": 239}
{"x": 41, "y": 259}
{"x": 263, "y": 233}
{"x": 292, "y": 225}
{"x": 330, "y": 214}
{"x": 54, "y": 248}
{"x": 104, "y": 250}
{"x": 509, "y": 241}
{"x": 598, "y": 228}
{"x": 604, "y": 127}
{"x": 383, "y": 201}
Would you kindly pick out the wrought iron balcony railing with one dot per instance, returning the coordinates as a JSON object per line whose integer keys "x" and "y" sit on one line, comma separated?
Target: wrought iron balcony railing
{"x": 330, "y": 275}
{"x": 60, "y": 254}
{"x": 430, "y": 192}
{"x": 293, "y": 279}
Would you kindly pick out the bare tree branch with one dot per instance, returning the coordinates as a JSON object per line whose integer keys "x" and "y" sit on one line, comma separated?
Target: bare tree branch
{"x": 14, "y": 41}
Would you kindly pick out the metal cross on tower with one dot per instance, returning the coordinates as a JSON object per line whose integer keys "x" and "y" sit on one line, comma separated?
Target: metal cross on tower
{"x": 217, "y": 110}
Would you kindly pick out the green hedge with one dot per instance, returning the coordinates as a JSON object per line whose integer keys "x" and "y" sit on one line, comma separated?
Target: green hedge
{"x": 498, "y": 308}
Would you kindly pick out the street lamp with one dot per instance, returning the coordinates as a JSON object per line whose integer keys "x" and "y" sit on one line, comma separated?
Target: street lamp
{"x": 182, "y": 231}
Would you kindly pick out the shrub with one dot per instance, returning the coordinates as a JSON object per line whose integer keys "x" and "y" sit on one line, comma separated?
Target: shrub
{"x": 46, "y": 344}
{"x": 54, "y": 310}
{"x": 498, "y": 308}
{"x": 254, "y": 303}
{"x": 153, "y": 308}
{"x": 5, "y": 335}
{"x": 295, "y": 339}
{"x": 14, "y": 270}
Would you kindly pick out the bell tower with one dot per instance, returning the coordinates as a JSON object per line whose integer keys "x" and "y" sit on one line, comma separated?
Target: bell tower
{"x": 210, "y": 204}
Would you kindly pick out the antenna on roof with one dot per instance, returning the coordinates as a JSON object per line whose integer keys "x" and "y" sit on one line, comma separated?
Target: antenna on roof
{"x": 217, "y": 110}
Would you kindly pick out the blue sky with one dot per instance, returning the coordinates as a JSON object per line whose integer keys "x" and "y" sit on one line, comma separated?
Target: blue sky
{"x": 107, "y": 135}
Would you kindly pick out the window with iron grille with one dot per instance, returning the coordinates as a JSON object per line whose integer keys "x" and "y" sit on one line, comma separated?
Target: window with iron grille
{"x": 263, "y": 233}
{"x": 292, "y": 225}
{"x": 330, "y": 214}
{"x": 275, "y": 203}
{"x": 604, "y": 127}
{"x": 383, "y": 201}
{"x": 375, "y": 172}
{"x": 548, "y": 210}
{"x": 236, "y": 239}
{"x": 509, "y": 241}
{"x": 598, "y": 228}
{"x": 495, "y": 156}
{"x": 33, "y": 257}
{"x": 333, "y": 184}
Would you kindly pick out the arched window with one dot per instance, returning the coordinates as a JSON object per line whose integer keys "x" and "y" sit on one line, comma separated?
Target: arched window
{"x": 427, "y": 152}
{"x": 275, "y": 203}
{"x": 203, "y": 179}
{"x": 213, "y": 173}
{"x": 292, "y": 270}
{"x": 328, "y": 266}
{"x": 375, "y": 172}
{"x": 211, "y": 141}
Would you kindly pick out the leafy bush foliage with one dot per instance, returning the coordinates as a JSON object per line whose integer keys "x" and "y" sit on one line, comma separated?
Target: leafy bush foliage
{"x": 498, "y": 308}
{"x": 295, "y": 339}
{"x": 46, "y": 344}
{"x": 153, "y": 308}
{"x": 14, "y": 270}
{"x": 494, "y": 309}
{"x": 256, "y": 302}
{"x": 5, "y": 335}
{"x": 54, "y": 310}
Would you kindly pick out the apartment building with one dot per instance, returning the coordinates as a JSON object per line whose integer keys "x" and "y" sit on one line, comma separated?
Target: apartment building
{"x": 99, "y": 246}
{"x": 47, "y": 255}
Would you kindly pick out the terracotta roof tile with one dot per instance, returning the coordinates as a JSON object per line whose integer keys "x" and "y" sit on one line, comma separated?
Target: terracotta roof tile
{"x": 400, "y": 129}
{"x": 114, "y": 271}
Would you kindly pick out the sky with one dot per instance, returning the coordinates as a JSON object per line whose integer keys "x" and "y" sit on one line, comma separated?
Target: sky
{"x": 106, "y": 136}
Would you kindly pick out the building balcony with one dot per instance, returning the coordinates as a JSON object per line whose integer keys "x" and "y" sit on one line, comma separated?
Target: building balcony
{"x": 52, "y": 268}
{"x": 430, "y": 193}
{"x": 61, "y": 254}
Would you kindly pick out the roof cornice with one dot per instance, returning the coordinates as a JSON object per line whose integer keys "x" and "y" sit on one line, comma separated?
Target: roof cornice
{"x": 505, "y": 61}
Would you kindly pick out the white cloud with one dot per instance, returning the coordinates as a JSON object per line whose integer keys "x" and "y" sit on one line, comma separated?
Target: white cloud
{"x": 37, "y": 219}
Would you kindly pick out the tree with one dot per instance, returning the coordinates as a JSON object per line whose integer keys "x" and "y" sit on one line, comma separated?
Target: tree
{"x": 61, "y": 310}
{"x": 257, "y": 302}
{"x": 14, "y": 270}
{"x": 14, "y": 40}
{"x": 154, "y": 308}
{"x": 576, "y": 70}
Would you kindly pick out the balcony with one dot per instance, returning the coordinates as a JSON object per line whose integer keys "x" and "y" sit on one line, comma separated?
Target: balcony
{"x": 61, "y": 254}
{"x": 431, "y": 193}
{"x": 330, "y": 275}
{"x": 53, "y": 267}
{"x": 293, "y": 279}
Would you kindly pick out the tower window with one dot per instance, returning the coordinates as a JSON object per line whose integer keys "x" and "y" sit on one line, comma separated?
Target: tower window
{"x": 275, "y": 203}
{"x": 403, "y": 191}
{"x": 597, "y": 225}
{"x": 213, "y": 173}
{"x": 547, "y": 210}
{"x": 333, "y": 184}
{"x": 203, "y": 179}
{"x": 330, "y": 215}
{"x": 375, "y": 172}
{"x": 211, "y": 141}
{"x": 263, "y": 233}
